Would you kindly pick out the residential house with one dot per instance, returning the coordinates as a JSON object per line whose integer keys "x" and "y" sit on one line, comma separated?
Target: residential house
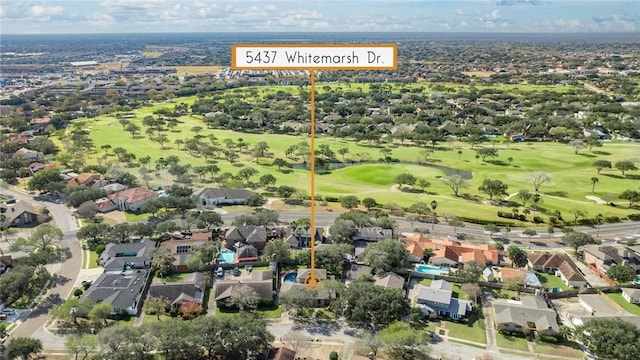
{"x": 114, "y": 187}
{"x": 247, "y": 253}
{"x": 34, "y": 167}
{"x": 389, "y": 280}
{"x": 260, "y": 281}
{"x": 357, "y": 270}
{"x": 133, "y": 255}
{"x": 530, "y": 315}
{"x": 504, "y": 274}
{"x": 105, "y": 205}
{"x": 303, "y": 239}
{"x": 604, "y": 256}
{"x": 449, "y": 253}
{"x": 248, "y": 234}
{"x": 438, "y": 298}
{"x": 132, "y": 199}
{"x": 321, "y": 274}
{"x": 223, "y": 196}
{"x": 18, "y": 214}
{"x": 123, "y": 291}
{"x": 545, "y": 261}
{"x": 84, "y": 179}
{"x": 599, "y": 306}
{"x": 180, "y": 250}
{"x": 28, "y": 155}
{"x": 284, "y": 353}
{"x": 188, "y": 291}
{"x": 571, "y": 275}
{"x": 372, "y": 233}
{"x": 631, "y": 295}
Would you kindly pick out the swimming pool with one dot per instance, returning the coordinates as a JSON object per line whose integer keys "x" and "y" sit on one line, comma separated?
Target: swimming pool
{"x": 290, "y": 277}
{"x": 638, "y": 279}
{"x": 434, "y": 270}
{"x": 227, "y": 256}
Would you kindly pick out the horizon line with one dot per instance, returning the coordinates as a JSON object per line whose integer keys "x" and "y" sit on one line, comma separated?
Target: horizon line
{"x": 342, "y": 32}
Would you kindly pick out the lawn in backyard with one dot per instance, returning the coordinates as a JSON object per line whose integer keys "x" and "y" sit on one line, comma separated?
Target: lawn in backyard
{"x": 571, "y": 174}
{"x": 551, "y": 281}
{"x": 511, "y": 342}
{"x": 632, "y": 308}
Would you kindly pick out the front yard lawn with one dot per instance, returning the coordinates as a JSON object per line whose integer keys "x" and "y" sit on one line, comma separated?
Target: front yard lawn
{"x": 471, "y": 330}
{"x": 566, "y": 350}
{"x": 133, "y": 217}
{"x": 632, "y": 308}
{"x": 152, "y": 318}
{"x": 511, "y": 342}
{"x": 551, "y": 281}
{"x": 93, "y": 260}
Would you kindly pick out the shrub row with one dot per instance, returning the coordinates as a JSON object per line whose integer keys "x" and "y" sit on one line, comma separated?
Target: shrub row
{"x": 508, "y": 215}
{"x": 634, "y": 217}
{"x": 485, "y": 221}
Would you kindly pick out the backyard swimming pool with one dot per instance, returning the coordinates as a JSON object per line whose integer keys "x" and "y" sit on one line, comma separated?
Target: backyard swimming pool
{"x": 434, "y": 270}
{"x": 290, "y": 277}
{"x": 227, "y": 256}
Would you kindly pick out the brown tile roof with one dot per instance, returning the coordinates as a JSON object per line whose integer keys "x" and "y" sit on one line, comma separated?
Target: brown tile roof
{"x": 84, "y": 179}
{"x": 571, "y": 272}
{"x": 547, "y": 260}
{"x": 134, "y": 195}
{"x": 452, "y": 250}
{"x": 285, "y": 354}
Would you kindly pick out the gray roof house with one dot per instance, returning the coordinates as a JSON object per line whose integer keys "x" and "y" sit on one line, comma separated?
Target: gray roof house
{"x": 438, "y": 299}
{"x": 372, "y": 233}
{"x": 222, "y": 196}
{"x": 190, "y": 290}
{"x": 123, "y": 291}
{"x": 390, "y": 281}
{"x": 529, "y": 315}
{"x": 631, "y": 295}
{"x": 119, "y": 257}
{"x": 249, "y": 234}
{"x": 261, "y": 282}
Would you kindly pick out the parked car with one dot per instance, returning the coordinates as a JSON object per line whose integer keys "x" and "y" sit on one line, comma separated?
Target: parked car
{"x": 9, "y": 311}
{"x": 236, "y": 272}
{"x": 3, "y": 316}
{"x": 220, "y": 272}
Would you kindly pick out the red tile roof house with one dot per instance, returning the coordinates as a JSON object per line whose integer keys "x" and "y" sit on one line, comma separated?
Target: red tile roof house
{"x": 132, "y": 199}
{"x": 86, "y": 179}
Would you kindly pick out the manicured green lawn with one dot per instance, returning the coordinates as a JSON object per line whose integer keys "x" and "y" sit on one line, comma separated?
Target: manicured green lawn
{"x": 148, "y": 319}
{"x": 632, "y": 308}
{"x": 133, "y": 217}
{"x": 569, "y": 350}
{"x": 173, "y": 277}
{"x": 511, "y": 342}
{"x": 93, "y": 260}
{"x": 426, "y": 282}
{"x": 476, "y": 332}
{"x": 570, "y": 184}
{"x": 551, "y": 281}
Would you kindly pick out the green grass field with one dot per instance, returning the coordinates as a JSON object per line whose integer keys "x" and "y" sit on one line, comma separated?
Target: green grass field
{"x": 551, "y": 281}
{"x": 632, "y": 308}
{"x": 511, "y": 342}
{"x": 571, "y": 173}
{"x": 566, "y": 351}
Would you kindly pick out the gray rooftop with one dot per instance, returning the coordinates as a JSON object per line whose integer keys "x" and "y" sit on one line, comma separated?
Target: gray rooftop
{"x": 532, "y": 309}
{"x": 118, "y": 290}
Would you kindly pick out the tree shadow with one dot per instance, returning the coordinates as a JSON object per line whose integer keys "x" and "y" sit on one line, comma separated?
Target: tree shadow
{"x": 626, "y": 176}
{"x": 563, "y": 194}
{"x": 587, "y": 155}
{"x": 599, "y": 152}
{"x": 497, "y": 162}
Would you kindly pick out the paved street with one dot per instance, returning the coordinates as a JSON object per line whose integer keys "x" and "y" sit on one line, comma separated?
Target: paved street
{"x": 69, "y": 267}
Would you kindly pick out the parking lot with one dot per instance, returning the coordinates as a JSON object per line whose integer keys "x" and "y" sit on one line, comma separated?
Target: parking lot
{"x": 11, "y": 315}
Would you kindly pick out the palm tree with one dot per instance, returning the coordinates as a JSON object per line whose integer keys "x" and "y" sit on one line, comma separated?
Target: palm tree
{"x": 426, "y": 254}
{"x": 434, "y": 205}
{"x": 594, "y": 181}
{"x": 599, "y": 219}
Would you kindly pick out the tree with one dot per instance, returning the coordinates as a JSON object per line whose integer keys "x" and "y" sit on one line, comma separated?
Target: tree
{"x": 455, "y": 182}
{"x": 594, "y": 181}
{"x": 133, "y": 129}
{"x": 369, "y": 203}
{"x": 342, "y": 231}
{"x": 492, "y": 229}
{"x": 350, "y": 202}
{"x": 247, "y": 173}
{"x": 621, "y": 273}
{"x": 279, "y": 163}
{"x": 367, "y": 304}
{"x": 455, "y": 223}
{"x": 518, "y": 256}
{"x": 84, "y": 345}
{"x": 529, "y": 233}
{"x": 487, "y": 152}
{"x": 207, "y": 219}
{"x": 22, "y": 348}
{"x": 591, "y": 143}
{"x": 385, "y": 255}
{"x": 625, "y": 165}
{"x": 100, "y": 313}
{"x": 243, "y": 297}
{"x": 87, "y": 209}
{"x": 538, "y": 178}
{"x": 471, "y": 272}
{"x": 419, "y": 208}
{"x": 286, "y": 191}
{"x": 423, "y": 184}
{"x": 161, "y": 260}
{"x": 610, "y": 338}
{"x": 155, "y": 305}
{"x": 267, "y": 180}
{"x": 197, "y": 129}
{"x": 493, "y": 188}
{"x": 578, "y": 239}
{"x": 276, "y": 250}
{"x": 524, "y": 196}
{"x": 260, "y": 149}
{"x": 297, "y": 298}
{"x": 472, "y": 290}
{"x": 577, "y": 144}
{"x": 405, "y": 179}
{"x": 515, "y": 283}
{"x": 343, "y": 152}
{"x": 48, "y": 180}
{"x": 401, "y": 342}
{"x": 601, "y": 164}
{"x": 630, "y": 195}
{"x": 44, "y": 240}
{"x": 332, "y": 258}
{"x": 297, "y": 340}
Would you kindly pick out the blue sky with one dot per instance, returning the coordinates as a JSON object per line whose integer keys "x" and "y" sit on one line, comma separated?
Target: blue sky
{"x": 140, "y": 16}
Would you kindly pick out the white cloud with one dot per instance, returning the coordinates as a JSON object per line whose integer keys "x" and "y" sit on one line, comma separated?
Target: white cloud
{"x": 100, "y": 20}
{"x": 131, "y": 5}
{"x": 45, "y": 12}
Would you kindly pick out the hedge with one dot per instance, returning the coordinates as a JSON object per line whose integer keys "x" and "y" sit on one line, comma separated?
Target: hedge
{"x": 484, "y": 221}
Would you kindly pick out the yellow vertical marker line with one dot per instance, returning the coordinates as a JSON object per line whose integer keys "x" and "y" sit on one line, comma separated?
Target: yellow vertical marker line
{"x": 312, "y": 276}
